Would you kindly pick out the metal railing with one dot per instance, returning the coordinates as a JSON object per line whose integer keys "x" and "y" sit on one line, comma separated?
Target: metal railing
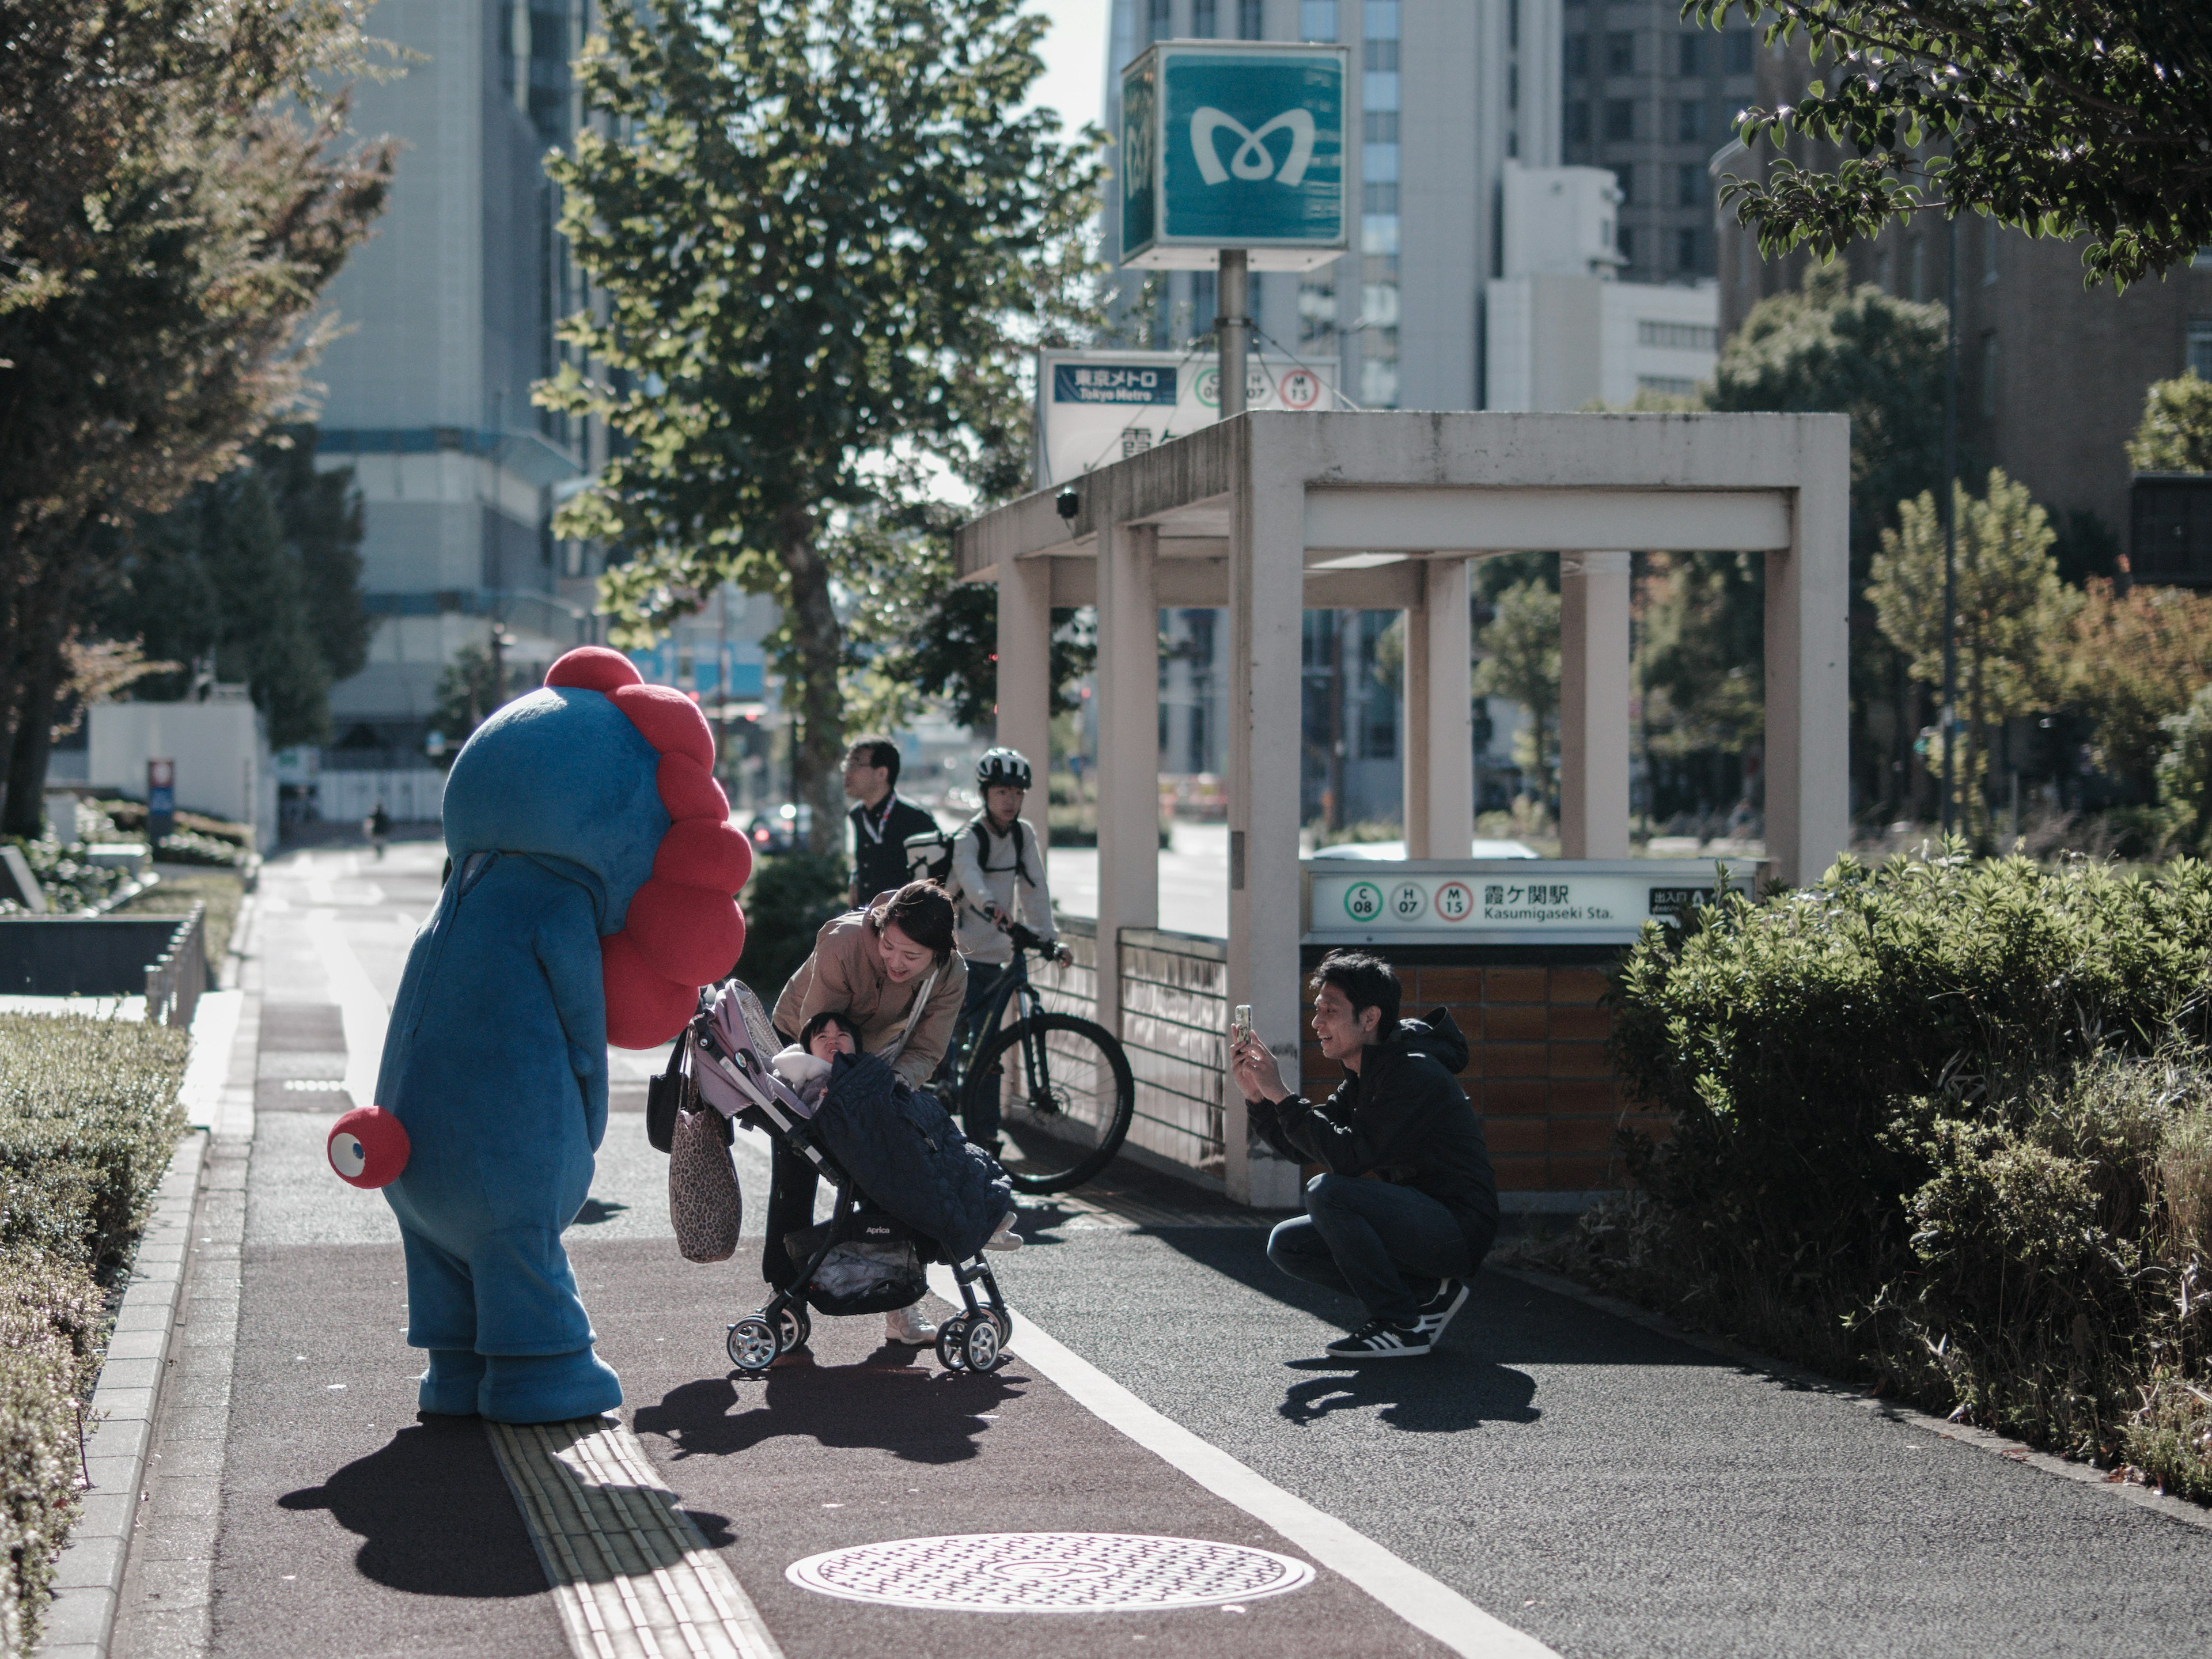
{"x": 175, "y": 979}
{"x": 1174, "y": 1019}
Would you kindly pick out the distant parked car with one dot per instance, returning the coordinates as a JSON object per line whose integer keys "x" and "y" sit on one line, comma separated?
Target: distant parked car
{"x": 781, "y": 829}
{"x": 1393, "y": 851}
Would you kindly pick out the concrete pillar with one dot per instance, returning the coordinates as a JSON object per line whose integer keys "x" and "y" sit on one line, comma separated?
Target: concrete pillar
{"x": 1025, "y": 710}
{"x": 1128, "y": 681}
{"x": 1593, "y": 705}
{"x": 1439, "y": 747}
{"x": 1266, "y": 600}
{"x": 1807, "y": 773}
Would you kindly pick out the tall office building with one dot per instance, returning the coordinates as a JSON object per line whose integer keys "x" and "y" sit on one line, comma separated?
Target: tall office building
{"x": 450, "y": 309}
{"x": 1650, "y": 97}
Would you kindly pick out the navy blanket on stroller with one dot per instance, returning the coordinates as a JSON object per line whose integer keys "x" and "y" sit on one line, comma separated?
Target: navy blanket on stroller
{"x": 904, "y": 1150}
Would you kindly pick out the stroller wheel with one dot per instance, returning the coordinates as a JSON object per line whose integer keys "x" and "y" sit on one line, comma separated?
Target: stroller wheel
{"x": 980, "y": 1345}
{"x": 793, "y": 1328}
{"x": 953, "y": 1343}
{"x": 752, "y": 1345}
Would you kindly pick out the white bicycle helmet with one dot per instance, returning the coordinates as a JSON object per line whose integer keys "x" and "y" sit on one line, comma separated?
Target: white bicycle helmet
{"x": 1002, "y": 766}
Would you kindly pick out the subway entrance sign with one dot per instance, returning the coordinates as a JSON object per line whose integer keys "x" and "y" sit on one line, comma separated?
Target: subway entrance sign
{"x": 1506, "y": 901}
{"x": 1239, "y": 146}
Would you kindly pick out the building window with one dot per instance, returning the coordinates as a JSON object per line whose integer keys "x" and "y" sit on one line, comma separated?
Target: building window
{"x": 1205, "y": 19}
{"x": 1677, "y": 337}
{"x": 1578, "y": 120}
{"x": 1919, "y": 269}
{"x": 1690, "y": 182}
{"x": 1667, "y": 385}
{"x": 1379, "y": 91}
{"x": 1991, "y": 230}
{"x": 1624, "y": 177}
{"x": 1513, "y": 86}
{"x": 1382, "y": 19}
{"x": 1378, "y": 198}
{"x": 2200, "y": 347}
{"x": 1379, "y": 126}
{"x": 1619, "y": 120}
{"x": 1317, "y": 20}
{"x": 1989, "y": 388}
{"x": 1620, "y": 53}
{"x": 1624, "y": 239}
{"x": 1574, "y": 56}
{"x": 1513, "y": 24}
{"x": 1159, "y": 19}
{"x": 1686, "y": 249}
{"x": 1735, "y": 51}
{"x": 1251, "y": 20}
{"x": 1693, "y": 57}
{"x": 1690, "y": 120}
{"x": 1317, "y": 313}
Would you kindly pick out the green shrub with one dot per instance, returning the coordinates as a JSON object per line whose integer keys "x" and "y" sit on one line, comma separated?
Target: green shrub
{"x": 49, "y": 1340}
{"x": 67, "y": 876}
{"x": 88, "y": 1117}
{"x": 785, "y": 904}
{"x": 1946, "y": 1125}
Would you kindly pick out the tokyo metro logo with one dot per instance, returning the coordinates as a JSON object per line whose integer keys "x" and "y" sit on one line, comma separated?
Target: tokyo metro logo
{"x": 1251, "y": 160}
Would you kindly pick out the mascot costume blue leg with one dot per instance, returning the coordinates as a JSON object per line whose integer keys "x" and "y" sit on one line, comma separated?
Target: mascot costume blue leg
{"x": 591, "y": 893}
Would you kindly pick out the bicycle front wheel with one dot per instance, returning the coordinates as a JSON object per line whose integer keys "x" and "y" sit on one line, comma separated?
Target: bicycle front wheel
{"x": 1065, "y": 1099}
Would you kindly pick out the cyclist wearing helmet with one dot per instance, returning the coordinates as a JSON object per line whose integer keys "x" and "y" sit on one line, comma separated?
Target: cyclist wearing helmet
{"x": 998, "y": 873}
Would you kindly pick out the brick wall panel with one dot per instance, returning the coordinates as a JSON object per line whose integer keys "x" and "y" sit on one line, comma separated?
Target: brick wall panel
{"x": 1516, "y": 1022}
{"x": 1580, "y": 1025}
{"x": 1579, "y": 1059}
{"x": 1580, "y": 985}
{"x": 1514, "y": 985}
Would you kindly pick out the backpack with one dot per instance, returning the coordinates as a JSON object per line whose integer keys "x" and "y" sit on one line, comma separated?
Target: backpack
{"x": 929, "y": 854}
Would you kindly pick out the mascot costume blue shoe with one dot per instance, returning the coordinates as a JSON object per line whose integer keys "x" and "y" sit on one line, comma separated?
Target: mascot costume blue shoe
{"x": 591, "y": 893}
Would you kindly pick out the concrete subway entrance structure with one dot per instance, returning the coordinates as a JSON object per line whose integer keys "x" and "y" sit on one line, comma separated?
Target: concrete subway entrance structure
{"x": 1272, "y": 513}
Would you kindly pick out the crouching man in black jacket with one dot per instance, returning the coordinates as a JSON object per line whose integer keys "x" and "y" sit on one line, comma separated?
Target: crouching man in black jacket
{"x": 1406, "y": 1240}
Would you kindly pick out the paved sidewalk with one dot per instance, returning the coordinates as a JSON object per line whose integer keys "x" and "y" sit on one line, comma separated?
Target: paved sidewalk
{"x": 1605, "y": 1489}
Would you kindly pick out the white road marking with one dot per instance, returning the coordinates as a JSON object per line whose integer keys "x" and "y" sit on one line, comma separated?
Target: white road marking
{"x": 361, "y": 1007}
{"x": 1429, "y": 1606}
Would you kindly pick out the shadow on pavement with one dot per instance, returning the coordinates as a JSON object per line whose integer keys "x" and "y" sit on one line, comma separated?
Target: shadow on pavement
{"x": 918, "y": 1415}
{"x": 1506, "y": 1320}
{"x": 434, "y": 1513}
{"x": 1436, "y": 1396}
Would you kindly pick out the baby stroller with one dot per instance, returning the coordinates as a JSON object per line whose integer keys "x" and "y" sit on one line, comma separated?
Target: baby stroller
{"x": 862, "y": 1260}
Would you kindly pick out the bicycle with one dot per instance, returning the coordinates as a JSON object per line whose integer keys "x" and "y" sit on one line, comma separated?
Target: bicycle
{"x": 1064, "y": 1103}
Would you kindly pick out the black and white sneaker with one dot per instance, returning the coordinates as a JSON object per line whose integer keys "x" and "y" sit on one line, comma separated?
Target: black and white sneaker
{"x": 1436, "y": 1312}
{"x": 1379, "y": 1339}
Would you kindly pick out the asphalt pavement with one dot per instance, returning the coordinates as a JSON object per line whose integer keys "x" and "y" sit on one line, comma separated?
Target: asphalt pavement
{"x": 1604, "y": 1489}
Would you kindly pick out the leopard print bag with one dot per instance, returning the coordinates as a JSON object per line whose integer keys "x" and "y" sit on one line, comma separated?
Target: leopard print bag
{"x": 704, "y": 1204}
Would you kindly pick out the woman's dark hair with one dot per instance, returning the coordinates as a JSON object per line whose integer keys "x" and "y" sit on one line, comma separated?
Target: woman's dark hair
{"x": 829, "y": 1016}
{"x": 1366, "y": 980}
{"x": 923, "y": 912}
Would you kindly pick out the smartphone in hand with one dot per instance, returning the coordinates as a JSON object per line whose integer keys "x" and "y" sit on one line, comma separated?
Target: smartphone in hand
{"x": 1240, "y": 1023}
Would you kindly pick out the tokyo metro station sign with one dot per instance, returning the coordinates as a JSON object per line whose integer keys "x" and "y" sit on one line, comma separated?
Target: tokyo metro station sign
{"x": 1234, "y": 146}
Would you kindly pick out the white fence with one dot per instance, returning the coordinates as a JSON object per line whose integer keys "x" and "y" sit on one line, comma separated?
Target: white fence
{"x": 415, "y": 796}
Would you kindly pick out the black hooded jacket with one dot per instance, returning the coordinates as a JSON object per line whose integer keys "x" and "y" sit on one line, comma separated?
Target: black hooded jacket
{"x": 1403, "y": 1118}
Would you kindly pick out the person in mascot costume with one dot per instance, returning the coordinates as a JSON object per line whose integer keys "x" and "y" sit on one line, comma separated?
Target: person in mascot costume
{"x": 591, "y": 894}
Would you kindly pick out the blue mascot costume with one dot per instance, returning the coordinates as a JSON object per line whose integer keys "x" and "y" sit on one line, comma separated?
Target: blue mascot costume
{"x": 591, "y": 893}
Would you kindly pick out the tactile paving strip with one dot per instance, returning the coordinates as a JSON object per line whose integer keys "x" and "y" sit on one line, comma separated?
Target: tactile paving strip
{"x": 630, "y": 1574}
{"x": 1049, "y": 1572}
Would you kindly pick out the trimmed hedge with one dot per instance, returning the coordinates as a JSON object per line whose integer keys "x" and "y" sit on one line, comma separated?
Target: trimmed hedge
{"x": 89, "y": 1118}
{"x": 1946, "y": 1126}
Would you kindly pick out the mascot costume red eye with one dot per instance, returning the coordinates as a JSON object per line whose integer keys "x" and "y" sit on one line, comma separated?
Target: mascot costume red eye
{"x": 593, "y": 892}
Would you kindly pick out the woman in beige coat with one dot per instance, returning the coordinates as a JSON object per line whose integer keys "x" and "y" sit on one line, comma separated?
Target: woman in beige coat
{"x": 892, "y": 971}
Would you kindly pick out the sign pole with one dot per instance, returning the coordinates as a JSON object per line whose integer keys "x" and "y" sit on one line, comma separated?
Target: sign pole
{"x": 1234, "y": 327}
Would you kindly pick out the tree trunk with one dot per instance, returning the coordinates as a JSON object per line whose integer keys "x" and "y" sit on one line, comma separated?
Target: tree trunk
{"x": 819, "y": 644}
{"x": 25, "y": 811}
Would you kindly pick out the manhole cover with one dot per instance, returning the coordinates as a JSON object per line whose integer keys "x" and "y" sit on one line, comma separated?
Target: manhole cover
{"x": 1048, "y": 1572}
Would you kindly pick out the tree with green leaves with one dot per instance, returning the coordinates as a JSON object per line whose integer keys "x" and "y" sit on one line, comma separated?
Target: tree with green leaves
{"x": 825, "y": 233}
{"x": 1521, "y": 663}
{"x": 175, "y": 195}
{"x": 2091, "y": 118}
{"x": 2176, "y": 432}
{"x": 255, "y": 576}
{"x": 2133, "y": 657}
{"x": 2011, "y": 606}
{"x": 1701, "y": 651}
{"x": 1830, "y": 348}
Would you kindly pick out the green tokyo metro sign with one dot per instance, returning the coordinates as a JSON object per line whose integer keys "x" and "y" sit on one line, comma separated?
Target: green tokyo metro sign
{"x": 1233, "y": 146}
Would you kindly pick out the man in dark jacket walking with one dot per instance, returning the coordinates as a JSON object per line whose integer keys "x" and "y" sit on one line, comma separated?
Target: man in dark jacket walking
{"x": 1406, "y": 1205}
{"x": 881, "y": 821}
